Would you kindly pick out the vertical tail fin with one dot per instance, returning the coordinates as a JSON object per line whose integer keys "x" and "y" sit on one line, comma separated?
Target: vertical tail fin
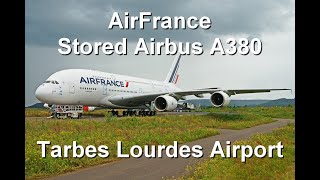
{"x": 172, "y": 76}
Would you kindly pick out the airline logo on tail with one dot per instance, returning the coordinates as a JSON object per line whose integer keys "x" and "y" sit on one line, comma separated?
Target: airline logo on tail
{"x": 173, "y": 75}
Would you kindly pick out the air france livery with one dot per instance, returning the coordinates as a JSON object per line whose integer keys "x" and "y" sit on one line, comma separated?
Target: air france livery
{"x": 100, "y": 89}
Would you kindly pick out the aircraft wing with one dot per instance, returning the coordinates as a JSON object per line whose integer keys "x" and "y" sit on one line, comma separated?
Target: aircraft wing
{"x": 134, "y": 100}
{"x": 139, "y": 99}
{"x": 245, "y": 91}
{"x": 229, "y": 92}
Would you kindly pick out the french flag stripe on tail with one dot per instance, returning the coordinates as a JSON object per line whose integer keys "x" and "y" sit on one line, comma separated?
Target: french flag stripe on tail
{"x": 176, "y": 79}
{"x": 172, "y": 74}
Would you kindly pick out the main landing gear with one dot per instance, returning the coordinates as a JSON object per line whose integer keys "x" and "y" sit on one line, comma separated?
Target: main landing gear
{"x": 134, "y": 113}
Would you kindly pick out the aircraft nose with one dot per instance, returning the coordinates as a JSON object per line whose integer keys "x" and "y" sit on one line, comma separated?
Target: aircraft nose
{"x": 41, "y": 93}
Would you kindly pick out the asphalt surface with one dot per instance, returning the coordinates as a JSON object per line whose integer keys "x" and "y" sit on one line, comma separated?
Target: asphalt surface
{"x": 159, "y": 168}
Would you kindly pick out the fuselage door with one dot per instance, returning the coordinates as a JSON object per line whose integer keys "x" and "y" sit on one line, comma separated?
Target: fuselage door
{"x": 72, "y": 88}
{"x": 105, "y": 89}
{"x": 153, "y": 86}
{"x": 166, "y": 88}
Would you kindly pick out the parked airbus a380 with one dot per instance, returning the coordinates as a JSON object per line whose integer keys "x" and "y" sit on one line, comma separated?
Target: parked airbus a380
{"x": 100, "y": 89}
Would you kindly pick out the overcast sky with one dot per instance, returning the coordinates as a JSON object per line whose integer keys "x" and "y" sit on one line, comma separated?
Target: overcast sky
{"x": 271, "y": 21}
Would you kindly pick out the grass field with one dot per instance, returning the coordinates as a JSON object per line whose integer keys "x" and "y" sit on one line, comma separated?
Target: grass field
{"x": 42, "y": 112}
{"x": 273, "y": 112}
{"x": 254, "y": 168}
{"x": 130, "y": 130}
{"x": 36, "y": 112}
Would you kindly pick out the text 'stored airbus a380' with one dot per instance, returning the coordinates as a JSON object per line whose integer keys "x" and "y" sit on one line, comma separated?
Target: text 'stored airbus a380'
{"x": 100, "y": 89}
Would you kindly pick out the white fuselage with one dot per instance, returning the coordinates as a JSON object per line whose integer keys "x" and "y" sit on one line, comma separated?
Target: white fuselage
{"x": 92, "y": 88}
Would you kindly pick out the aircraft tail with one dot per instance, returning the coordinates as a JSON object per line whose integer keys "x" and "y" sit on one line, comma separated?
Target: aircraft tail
{"x": 173, "y": 76}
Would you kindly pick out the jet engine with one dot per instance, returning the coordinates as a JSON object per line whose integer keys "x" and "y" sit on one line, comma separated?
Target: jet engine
{"x": 220, "y": 99}
{"x": 47, "y": 105}
{"x": 165, "y": 103}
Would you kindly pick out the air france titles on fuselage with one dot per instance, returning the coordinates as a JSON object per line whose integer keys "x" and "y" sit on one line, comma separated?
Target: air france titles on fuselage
{"x": 90, "y": 80}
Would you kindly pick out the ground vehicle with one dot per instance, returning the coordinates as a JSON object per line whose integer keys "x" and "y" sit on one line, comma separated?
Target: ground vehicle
{"x": 64, "y": 111}
{"x": 185, "y": 106}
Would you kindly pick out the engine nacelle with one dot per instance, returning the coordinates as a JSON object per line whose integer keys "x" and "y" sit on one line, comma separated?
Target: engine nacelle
{"x": 47, "y": 106}
{"x": 165, "y": 103}
{"x": 220, "y": 99}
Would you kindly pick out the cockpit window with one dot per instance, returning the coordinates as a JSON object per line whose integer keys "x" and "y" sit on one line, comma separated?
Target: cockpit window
{"x": 52, "y": 82}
